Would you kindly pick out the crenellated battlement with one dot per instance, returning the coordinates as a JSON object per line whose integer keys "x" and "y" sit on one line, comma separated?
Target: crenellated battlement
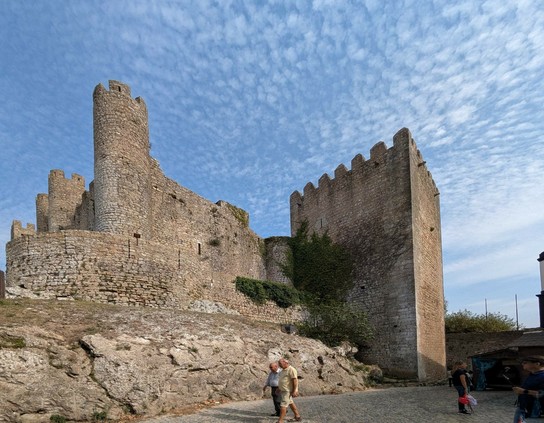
{"x": 63, "y": 200}
{"x": 362, "y": 168}
{"x": 119, "y": 89}
{"x": 56, "y": 176}
{"x": 17, "y": 229}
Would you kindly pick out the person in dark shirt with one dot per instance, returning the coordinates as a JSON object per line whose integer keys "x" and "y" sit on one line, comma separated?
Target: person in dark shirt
{"x": 528, "y": 404}
{"x": 461, "y": 383}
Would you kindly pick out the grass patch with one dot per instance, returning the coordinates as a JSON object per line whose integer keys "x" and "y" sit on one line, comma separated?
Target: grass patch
{"x": 8, "y": 341}
{"x": 241, "y": 215}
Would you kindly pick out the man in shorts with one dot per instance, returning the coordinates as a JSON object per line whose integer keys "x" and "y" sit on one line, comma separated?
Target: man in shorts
{"x": 288, "y": 389}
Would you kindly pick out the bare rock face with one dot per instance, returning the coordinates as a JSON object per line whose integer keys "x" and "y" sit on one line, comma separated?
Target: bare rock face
{"x": 81, "y": 360}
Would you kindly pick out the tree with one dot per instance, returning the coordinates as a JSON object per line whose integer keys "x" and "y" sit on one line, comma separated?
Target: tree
{"x": 336, "y": 322}
{"x": 466, "y": 321}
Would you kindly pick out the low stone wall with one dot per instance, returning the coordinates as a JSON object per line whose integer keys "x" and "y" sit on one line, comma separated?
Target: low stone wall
{"x": 461, "y": 346}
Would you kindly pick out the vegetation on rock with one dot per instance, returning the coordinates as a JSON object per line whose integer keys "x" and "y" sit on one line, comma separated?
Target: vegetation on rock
{"x": 262, "y": 291}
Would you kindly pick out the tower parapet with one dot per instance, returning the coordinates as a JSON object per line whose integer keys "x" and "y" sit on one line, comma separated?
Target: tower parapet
{"x": 121, "y": 161}
{"x": 65, "y": 197}
{"x": 17, "y": 229}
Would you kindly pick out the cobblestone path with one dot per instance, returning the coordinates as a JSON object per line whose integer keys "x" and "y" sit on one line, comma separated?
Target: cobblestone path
{"x": 435, "y": 404}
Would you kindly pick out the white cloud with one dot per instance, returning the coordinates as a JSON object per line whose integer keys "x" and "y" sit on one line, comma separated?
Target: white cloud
{"x": 275, "y": 94}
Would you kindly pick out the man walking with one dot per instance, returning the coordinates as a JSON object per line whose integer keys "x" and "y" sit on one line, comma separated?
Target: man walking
{"x": 272, "y": 381}
{"x": 530, "y": 390}
{"x": 288, "y": 389}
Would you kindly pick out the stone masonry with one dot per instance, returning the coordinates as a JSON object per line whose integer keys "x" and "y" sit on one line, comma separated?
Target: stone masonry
{"x": 385, "y": 212}
{"x": 136, "y": 237}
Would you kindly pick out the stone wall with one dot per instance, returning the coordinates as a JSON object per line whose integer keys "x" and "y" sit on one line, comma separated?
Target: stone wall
{"x": 461, "y": 346}
{"x": 110, "y": 268}
{"x": 371, "y": 210}
{"x": 276, "y": 252}
{"x": 427, "y": 252}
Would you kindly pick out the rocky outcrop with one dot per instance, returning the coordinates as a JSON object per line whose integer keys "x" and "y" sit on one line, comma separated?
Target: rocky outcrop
{"x": 83, "y": 360}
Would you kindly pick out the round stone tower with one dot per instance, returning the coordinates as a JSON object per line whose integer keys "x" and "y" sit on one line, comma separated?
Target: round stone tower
{"x": 121, "y": 161}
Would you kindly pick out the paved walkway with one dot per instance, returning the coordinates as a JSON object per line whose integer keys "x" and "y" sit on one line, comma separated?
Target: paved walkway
{"x": 435, "y": 404}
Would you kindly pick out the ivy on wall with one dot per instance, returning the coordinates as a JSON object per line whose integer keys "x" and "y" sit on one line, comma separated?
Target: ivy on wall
{"x": 318, "y": 266}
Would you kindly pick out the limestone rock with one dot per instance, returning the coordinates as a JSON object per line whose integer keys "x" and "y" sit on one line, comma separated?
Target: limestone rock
{"x": 119, "y": 360}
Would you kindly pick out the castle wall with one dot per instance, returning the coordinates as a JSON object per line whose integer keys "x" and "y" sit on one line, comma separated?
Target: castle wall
{"x": 368, "y": 210}
{"x": 277, "y": 250}
{"x": 121, "y": 161}
{"x": 18, "y": 231}
{"x": 156, "y": 242}
{"x": 84, "y": 216}
{"x": 218, "y": 233}
{"x": 101, "y": 267}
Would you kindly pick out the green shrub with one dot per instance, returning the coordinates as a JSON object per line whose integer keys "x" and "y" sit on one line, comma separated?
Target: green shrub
{"x": 57, "y": 418}
{"x": 8, "y": 341}
{"x": 215, "y": 242}
{"x": 253, "y": 289}
{"x": 318, "y": 266}
{"x": 336, "y": 322}
{"x": 262, "y": 291}
{"x": 100, "y": 416}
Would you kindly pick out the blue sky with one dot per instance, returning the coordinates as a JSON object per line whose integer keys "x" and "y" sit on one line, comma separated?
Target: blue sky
{"x": 250, "y": 100}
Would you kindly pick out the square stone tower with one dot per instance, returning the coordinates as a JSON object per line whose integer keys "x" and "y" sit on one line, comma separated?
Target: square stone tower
{"x": 385, "y": 211}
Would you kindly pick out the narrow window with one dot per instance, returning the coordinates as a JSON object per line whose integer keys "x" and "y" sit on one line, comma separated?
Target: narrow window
{"x": 199, "y": 248}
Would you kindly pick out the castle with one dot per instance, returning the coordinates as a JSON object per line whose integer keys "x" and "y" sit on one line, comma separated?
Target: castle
{"x": 136, "y": 237}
